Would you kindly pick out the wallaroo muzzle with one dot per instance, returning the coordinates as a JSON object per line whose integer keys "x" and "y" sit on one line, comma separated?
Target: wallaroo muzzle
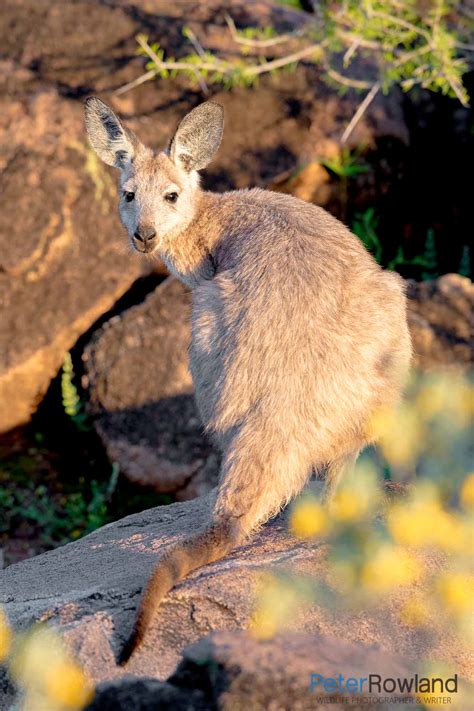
{"x": 145, "y": 238}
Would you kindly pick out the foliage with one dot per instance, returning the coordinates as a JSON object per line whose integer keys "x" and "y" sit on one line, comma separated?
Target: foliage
{"x": 376, "y": 545}
{"x": 347, "y": 164}
{"x": 401, "y": 42}
{"x": 73, "y": 406}
{"x": 40, "y": 665}
{"x": 59, "y": 519}
{"x": 414, "y": 42}
{"x": 464, "y": 266}
{"x": 365, "y": 227}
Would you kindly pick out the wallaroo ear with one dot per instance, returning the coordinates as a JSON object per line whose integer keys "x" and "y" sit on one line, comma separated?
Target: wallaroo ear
{"x": 112, "y": 142}
{"x": 198, "y": 137}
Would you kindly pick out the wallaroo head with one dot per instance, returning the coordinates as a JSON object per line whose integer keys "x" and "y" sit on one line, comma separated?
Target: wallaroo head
{"x": 157, "y": 188}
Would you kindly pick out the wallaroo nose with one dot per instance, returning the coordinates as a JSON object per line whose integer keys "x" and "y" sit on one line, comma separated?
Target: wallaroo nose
{"x": 144, "y": 234}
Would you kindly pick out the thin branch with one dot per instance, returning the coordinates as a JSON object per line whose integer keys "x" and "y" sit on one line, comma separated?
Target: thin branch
{"x": 402, "y": 23}
{"x": 346, "y": 81}
{"x": 251, "y": 42}
{"x": 195, "y": 42}
{"x": 282, "y": 62}
{"x": 464, "y": 46}
{"x": 350, "y": 53}
{"x": 360, "y": 112}
{"x": 136, "y": 82}
{"x": 457, "y": 88}
{"x": 350, "y": 39}
{"x": 216, "y": 66}
{"x": 200, "y": 50}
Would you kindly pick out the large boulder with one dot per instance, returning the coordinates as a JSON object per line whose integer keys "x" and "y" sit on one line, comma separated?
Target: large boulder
{"x": 63, "y": 262}
{"x": 90, "y": 590}
{"x": 63, "y": 257}
{"x": 141, "y": 393}
{"x": 440, "y": 318}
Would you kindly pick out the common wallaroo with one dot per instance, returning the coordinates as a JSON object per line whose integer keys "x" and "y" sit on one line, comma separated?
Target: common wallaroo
{"x": 298, "y": 336}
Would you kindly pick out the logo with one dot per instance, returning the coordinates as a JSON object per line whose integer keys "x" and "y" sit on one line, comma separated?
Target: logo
{"x": 403, "y": 689}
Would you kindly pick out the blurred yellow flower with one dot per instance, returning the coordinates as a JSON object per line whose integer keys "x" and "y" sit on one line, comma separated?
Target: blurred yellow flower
{"x": 466, "y": 494}
{"x": 456, "y": 590}
{"x": 67, "y": 685}
{"x": 346, "y": 506}
{"x": 5, "y": 636}
{"x": 308, "y": 519}
{"x": 276, "y": 604}
{"x": 43, "y": 668}
{"x": 415, "y": 613}
{"x": 389, "y": 568}
{"x": 357, "y": 496}
{"x": 399, "y": 434}
{"x": 423, "y": 522}
{"x": 449, "y": 395}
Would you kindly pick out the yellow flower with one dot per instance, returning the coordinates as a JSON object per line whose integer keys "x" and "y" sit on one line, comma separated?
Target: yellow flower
{"x": 277, "y": 604}
{"x": 426, "y": 523}
{"x": 308, "y": 519}
{"x": 357, "y": 496}
{"x": 5, "y": 637}
{"x": 389, "y": 568}
{"x": 67, "y": 685}
{"x": 346, "y": 507}
{"x": 399, "y": 433}
{"x": 415, "y": 613}
{"x": 449, "y": 395}
{"x": 43, "y": 668}
{"x": 457, "y": 592}
{"x": 467, "y": 493}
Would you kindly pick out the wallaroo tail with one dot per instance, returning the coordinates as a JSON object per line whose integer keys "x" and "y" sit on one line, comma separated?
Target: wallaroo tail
{"x": 212, "y": 543}
{"x": 298, "y": 335}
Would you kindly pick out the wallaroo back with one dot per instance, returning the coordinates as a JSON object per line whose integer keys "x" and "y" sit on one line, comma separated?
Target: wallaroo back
{"x": 298, "y": 336}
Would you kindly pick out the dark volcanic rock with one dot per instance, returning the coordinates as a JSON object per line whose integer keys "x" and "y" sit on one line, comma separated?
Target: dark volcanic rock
{"x": 440, "y": 316}
{"x": 141, "y": 389}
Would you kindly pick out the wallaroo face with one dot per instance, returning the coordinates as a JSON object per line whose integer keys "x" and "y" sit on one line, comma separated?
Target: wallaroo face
{"x": 157, "y": 189}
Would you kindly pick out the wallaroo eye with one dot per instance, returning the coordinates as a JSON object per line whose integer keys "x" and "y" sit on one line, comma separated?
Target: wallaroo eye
{"x": 171, "y": 197}
{"x": 129, "y": 197}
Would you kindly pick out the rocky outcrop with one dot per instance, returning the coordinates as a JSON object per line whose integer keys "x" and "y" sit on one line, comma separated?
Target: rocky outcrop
{"x": 141, "y": 392}
{"x": 63, "y": 262}
{"x": 440, "y": 317}
{"x": 63, "y": 257}
{"x": 234, "y": 671}
{"x": 90, "y": 589}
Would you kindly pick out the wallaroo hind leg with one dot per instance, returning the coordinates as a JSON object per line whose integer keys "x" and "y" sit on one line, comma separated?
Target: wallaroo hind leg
{"x": 254, "y": 486}
{"x": 337, "y": 470}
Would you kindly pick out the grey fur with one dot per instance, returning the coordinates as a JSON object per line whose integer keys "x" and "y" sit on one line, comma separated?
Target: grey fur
{"x": 198, "y": 136}
{"x": 111, "y": 141}
{"x": 298, "y": 337}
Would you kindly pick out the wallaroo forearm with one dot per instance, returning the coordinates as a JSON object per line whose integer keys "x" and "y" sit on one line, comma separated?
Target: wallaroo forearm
{"x": 298, "y": 336}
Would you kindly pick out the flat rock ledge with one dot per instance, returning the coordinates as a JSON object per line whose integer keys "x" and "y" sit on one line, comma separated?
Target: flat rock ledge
{"x": 89, "y": 589}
